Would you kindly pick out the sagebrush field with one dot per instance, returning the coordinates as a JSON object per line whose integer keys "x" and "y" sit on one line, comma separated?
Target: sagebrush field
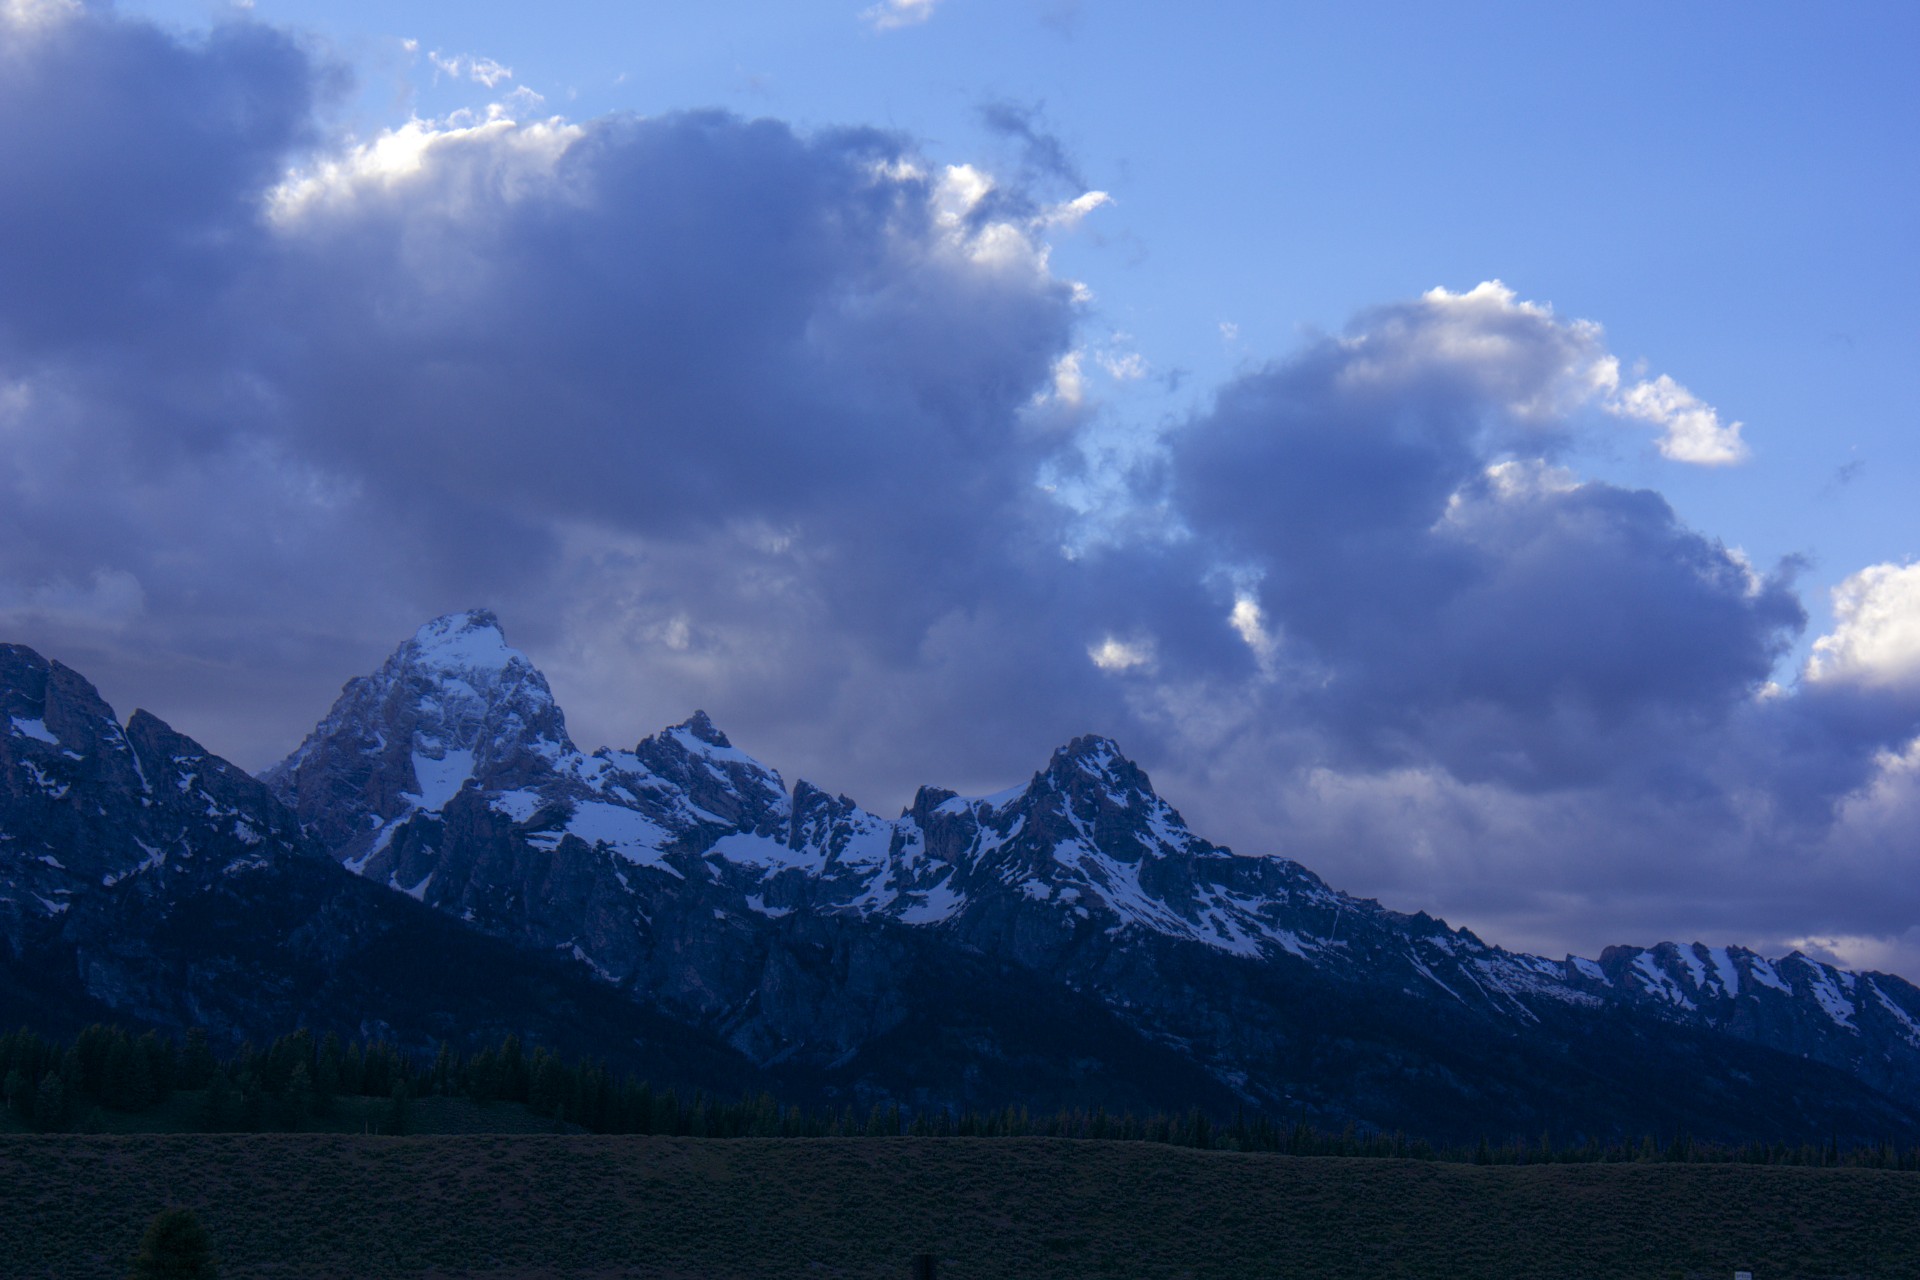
{"x": 527, "y": 1205}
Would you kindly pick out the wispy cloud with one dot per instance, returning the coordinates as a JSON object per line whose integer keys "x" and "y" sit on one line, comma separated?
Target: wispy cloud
{"x": 890, "y": 15}
{"x": 467, "y": 66}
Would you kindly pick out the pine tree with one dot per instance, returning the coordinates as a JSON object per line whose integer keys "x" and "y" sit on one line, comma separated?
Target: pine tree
{"x": 396, "y": 1119}
{"x": 19, "y": 1096}
{"x": 547, "y": 1089}
{"x": 296, "y": 1100}
{"x": 141, "y": 1088}
{"x": 116, "y": 1079}
{"x": 443, "y": 1070}
{"x": 50, "y": 1104}
{"x": 326, "y": 1075}
{"x": 218, "y": 1106}
{"x": 175, "y": 1247}
{"x": 197, "y": 1065}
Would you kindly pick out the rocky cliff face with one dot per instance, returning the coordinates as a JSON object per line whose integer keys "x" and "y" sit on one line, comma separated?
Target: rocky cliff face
{"x": 686, "y": 873}
{"x": 91, "y": 806}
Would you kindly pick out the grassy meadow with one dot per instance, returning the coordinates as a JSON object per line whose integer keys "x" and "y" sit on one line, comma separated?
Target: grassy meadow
{"x": 550, "y": 1205}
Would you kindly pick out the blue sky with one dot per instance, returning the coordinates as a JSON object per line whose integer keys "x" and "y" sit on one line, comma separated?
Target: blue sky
{"x": 1473, "y": 600}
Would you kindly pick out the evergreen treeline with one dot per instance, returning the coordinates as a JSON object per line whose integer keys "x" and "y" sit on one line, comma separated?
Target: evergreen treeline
{"x": 296, "y": 1081}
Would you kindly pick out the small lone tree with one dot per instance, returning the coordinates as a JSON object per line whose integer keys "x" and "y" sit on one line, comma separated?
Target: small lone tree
{"x": 175, "y": 1247}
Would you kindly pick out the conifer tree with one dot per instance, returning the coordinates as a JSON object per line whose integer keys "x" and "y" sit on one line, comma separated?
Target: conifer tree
{"x": 19, "y": 1096}
{"x": 398, "y": 1108}
{"x": 197, "y": 1065}
{"x": 116, "y": 1080}
{"x": 296, "y": 1100}
{"x": 50, "y": 1104}
{"x": 141, "y": 1088}
{"x": 217, "y": 1106}
{"x": 326, "y": 1075}
{"x": 443, "y": 1070}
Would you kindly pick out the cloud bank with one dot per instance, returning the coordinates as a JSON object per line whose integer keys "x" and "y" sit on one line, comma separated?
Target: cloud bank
{"x": 801, "y": 428}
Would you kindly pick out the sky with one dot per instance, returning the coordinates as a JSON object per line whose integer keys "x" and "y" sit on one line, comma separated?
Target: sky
{"x": 1465, "y": 448}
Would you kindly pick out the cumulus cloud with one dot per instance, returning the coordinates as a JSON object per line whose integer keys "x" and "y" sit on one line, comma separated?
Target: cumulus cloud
{"x": 1474, "y": 680}
{"x": 1691, "y": 430}
{"x": 802, "y": 427}
{"x": 1875, "y": 642}
{"x": 1113, "y": 654}
{"x": 1538, "y": 369}
{"x": 1469, "y": 601}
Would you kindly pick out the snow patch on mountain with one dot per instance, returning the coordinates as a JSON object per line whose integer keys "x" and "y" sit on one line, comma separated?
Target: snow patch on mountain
{"x": 1907, "y": 1024}
{"x": 1761, "y": 970}
{"x": 1826, "y": 991}
{"x": 1659, "y": 983}
{"x": 35, "y": 729}
{"x": 1725, "y": 971}
{"x": 440, "y": 780}
{"x": 617, "y": 829}
{"x": 935, "y": 904}
{"x": 747, "y": 849}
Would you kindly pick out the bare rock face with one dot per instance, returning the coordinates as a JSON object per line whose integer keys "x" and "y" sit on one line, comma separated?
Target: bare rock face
{"x": 90, "y": 806}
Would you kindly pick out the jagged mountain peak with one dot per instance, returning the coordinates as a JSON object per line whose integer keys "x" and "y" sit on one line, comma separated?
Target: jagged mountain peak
{"x": 717, "y": 777}
{"x": 701, "y": 727}
{"x": 1699, "y": 979}
{"x": 1091, "y": 753}
{"x": 1093, "y": 762}
{"x": 34, "y": 689}
{"x": 465, "y": 656}
{"x": 87, "y": 805}
{"x": 806, "y": 929}
{"x": 454, "y": 703}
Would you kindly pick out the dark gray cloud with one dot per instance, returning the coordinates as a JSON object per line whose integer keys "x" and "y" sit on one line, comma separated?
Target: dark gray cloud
{"x": 134, "y": 162}
{"x": 1460, "y": 602}
{"x": 723, "y": 371}
{"x": 720, "y": 413}
{"x": 1475, "y": 681}
{"x": 1406, "y": 538}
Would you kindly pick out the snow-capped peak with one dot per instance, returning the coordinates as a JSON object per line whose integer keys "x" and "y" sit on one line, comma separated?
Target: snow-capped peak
{"x": 470, "y": 640}
{"x": 1091, "y": 769}
{"x": 476, "y": 693}
{"x": 453, "y": 704}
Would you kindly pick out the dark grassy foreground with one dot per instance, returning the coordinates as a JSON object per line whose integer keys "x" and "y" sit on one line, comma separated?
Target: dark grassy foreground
{"x": 578, "y": 1206}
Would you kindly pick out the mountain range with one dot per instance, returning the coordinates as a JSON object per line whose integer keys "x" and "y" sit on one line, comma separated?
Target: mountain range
{"x": 438, "y": 860}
